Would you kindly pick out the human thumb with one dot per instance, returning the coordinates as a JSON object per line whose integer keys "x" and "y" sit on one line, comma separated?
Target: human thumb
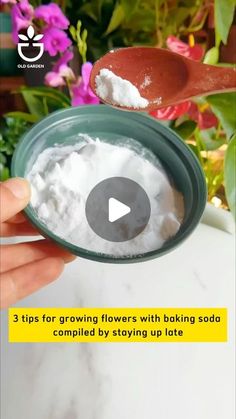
{"x": 14, "y": 196}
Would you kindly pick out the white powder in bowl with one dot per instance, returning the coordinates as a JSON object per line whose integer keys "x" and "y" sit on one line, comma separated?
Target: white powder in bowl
{"x": 117, "y": 91}
{"x": 63, "y": 176}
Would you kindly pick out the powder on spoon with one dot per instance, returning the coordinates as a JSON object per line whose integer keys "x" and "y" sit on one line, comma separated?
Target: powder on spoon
{"x": 117, "y": 91}
{"x": 63, "y": 176}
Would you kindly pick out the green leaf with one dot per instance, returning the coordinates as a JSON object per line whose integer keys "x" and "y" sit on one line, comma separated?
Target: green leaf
{"x": 23, "y": 115}
{"x": 43, "y": 100}
{"x": 129, "y": 6}
{"x": 178, "y": 15}
{"x": 224, "y": 107}
{"x": 210, "y": 140}
{"x": 230, "y": 175}
{"x": 4, "y": 173}
{"x": 3, "y": 158}
{"x": 33, "y": 103}
{"x": 212, "y": 56}
{"x": 185, "y": 129}
{"x": 224, "y": 14}
{"x": 194, "y": 149}
{"x": 116, "y": 19}
{"x": 92, "y": 9}
{"x": 49, "y": 92}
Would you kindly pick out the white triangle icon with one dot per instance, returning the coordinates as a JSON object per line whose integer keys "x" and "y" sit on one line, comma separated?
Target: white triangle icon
{"x": 116, "y": 210}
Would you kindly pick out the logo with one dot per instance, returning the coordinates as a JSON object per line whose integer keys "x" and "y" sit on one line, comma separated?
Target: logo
{"x": 30, "y": 37}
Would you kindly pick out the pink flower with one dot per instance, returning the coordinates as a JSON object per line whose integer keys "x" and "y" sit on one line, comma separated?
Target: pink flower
{"x": 7, "y": 2}
{"x": 22, "y": 14}
{"x": 193, "y": 51}
{"x": 54, "y": 79}
{"x": 55, "y": 40}
{"x": 63, "y": 60}
{"x": 52, "y": 15}
{"x": 60, "y": 71}
{"x": 81, "y": 92}
{"x": 205, "y": 119}
{"x": 171, "y": 112}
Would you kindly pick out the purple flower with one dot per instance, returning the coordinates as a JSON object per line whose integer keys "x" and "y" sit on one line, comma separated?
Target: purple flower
{"x": 22, "y": 14}
{"x": 60, "y": 70}
{"x": 55, "y": 40}
{"x": 63, "y": 60}
{"x": 81, "y": 92}
{"x": 52, "y": 15}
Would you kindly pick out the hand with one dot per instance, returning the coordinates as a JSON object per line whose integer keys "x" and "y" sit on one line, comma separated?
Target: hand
{"x": 25, "y": 267}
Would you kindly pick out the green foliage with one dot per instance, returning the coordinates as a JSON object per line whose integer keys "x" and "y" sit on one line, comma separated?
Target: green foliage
{"x": 4, "y": 170}
{"x": 40, "y": 102}
{"x": 43, "y": 100}
{"x": 211, "y": 140}
{"x": 224, "y": 106}
{"x": 185, "y": 129}
{"x": 129, "y": 6}
{"x": 224, "y": 14}
{"x": 212, "y": 56}
{"x": 203, "y": 143}
{"x": 230, "y": 175}
{"x": 91, "y": 8}
{"x": 80, "y": 39}
{"x": 34, "y": 104}
{"x": 117, "y": 23}
{"x": 24, "y": 116}
{"x": 117, "y": 17}
{"x": 12, "y": 128}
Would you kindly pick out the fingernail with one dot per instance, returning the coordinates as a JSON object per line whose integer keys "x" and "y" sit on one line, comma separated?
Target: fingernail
{"x": 70, "y": 258}
{"x": 18, "y": 187}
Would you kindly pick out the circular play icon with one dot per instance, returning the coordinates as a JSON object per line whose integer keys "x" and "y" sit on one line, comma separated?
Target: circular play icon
{"x": 118, "y": 209}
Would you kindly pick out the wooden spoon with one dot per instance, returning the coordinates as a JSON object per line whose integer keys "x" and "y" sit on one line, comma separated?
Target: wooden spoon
{"x": 163, "y": 77}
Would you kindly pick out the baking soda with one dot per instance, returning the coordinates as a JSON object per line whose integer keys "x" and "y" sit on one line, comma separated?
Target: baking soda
{"x": 146, "y": 82}
{"x": 63, "y": 176}
{"x": 117, "y": 91}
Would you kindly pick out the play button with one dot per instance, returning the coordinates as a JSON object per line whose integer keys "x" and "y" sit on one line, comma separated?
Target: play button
{"x": 117, "y": 209}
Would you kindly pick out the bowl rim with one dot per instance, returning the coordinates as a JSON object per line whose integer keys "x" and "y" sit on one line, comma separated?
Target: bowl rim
{"x": 175, "y": 142}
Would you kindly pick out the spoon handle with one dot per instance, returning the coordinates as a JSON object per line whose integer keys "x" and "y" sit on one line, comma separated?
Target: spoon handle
{"x": 207, "y": 79}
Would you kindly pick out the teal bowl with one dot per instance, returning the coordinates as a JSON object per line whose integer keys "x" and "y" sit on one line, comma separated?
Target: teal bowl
{"x": 112, "y": 124}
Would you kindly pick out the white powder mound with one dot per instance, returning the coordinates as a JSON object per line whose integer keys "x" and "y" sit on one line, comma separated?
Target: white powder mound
{"x": 63, "y": 176}
{"x": 117, "y": 91}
